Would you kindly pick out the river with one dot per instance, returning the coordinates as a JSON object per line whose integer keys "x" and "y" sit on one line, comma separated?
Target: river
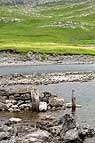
{"x": 27, "y": 69}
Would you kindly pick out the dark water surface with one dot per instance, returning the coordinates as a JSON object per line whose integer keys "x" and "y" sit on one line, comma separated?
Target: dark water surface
{"x": 47, "y": 68}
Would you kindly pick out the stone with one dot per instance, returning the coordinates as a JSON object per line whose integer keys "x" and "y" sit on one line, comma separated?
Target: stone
{"x": 4, "y": 136}
{"x": 86, "y": 131}
{"x": 9, "y": 105}
{"x": 11, "y": 110}
{"x": 39, "y": 134}
{"x": 25, "y": 106}
{"x": 68, "y": 124}
{"x": 56, "y": 102}
{"x": 28, "y": 140}
{"x": 43, "y": 106}
{"x": 3, "y": 107}
{"x": 55, "y": 130}
{"x": 36, "y": 136}
{"x": 11, "y": 101}
{"x": 15, "y": 120}
{"x": 14, "y": 106}
{"x": 71, "y": 135}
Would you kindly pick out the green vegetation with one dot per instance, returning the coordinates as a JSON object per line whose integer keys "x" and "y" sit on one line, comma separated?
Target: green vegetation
{"x": 67, "y": 28}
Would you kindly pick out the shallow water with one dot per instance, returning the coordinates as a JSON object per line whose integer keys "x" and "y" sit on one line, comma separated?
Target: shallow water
{"x": 84, "y": 92}
{"x": 46, "y": 68}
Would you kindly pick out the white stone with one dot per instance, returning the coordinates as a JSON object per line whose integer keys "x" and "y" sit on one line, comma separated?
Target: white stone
{"x": 15, "y": 119}
{"x": 43, "y": 106}
{"x": 11, "y": 101}
{"x": 15, "y": 106}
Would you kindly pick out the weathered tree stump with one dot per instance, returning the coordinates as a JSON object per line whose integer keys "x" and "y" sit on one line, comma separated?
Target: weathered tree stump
{"x": 73, "y": 102}
{"x": 35, "y": 99}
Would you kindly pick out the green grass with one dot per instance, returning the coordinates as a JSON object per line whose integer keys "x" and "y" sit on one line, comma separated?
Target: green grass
{"x": 36, "y": 33}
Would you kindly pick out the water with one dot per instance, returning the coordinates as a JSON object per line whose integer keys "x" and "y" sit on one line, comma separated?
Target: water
{"x": 84, "y": 91}
{"x": 85, "y": 94}
{"x": 47, "y": 68}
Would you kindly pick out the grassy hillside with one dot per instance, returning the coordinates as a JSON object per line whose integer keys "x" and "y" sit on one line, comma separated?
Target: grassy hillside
{"x": 63, "y": 28}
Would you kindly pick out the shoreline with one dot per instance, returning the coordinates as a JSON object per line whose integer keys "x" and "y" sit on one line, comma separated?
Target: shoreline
{"x": 27, "y": 80}
{"x": 26, "y": 59}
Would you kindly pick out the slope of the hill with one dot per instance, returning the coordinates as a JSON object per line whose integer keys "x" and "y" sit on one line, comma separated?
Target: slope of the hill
{"x": 34, "y": 2}
{"x": 65, "y": 27}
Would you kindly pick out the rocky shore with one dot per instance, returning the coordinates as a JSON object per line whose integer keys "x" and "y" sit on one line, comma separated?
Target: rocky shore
{"x": 27, "y": 80}
{"x": 10, "y": 58}
{"x": 47, "y": 130}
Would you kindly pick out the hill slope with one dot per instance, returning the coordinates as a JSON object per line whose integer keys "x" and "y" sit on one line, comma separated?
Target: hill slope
{"x": 65, "y": 27}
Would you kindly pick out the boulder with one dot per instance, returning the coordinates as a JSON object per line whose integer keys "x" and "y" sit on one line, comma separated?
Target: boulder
{"x": 3, "y": 106}
{"x": 43, "y": 106}
{"x": 68, "y": 124}
{"x": 56, "y": 102}
{"x": 72, "y": 135}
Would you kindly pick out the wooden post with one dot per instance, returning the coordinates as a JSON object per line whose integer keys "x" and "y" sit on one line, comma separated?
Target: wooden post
{"x": 35, "y": 99}
{"x": 73, "y": 102}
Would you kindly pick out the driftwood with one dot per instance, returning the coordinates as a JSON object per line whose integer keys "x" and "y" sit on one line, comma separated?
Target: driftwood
{"x": 35, "y": 99}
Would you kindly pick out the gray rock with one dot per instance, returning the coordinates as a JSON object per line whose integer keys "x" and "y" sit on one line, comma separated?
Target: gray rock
{"x": 11, "y": 101}
{"x": 86, "y": 131}
{"x": 3, "y": 107}
{"x": 25, "y": 106}
{"x": 71, "y": 135}
{"x": 68, "y": 124}
{"x": 4, "y": 136}
{"x": 36, "y": 136}
{"x": 39, "y": 134}
{"x": 9, "y": 105}
{"x": 56, "y": 102}
{"x": 55, "y": 130}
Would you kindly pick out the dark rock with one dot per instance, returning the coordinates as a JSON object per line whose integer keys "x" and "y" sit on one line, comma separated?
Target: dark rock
{"x": 69, "y": 123}
{"x": 4, "y": 136}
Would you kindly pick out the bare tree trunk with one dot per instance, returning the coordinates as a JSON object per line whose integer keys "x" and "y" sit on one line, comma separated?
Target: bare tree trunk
{"x": 35, "y": 99}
